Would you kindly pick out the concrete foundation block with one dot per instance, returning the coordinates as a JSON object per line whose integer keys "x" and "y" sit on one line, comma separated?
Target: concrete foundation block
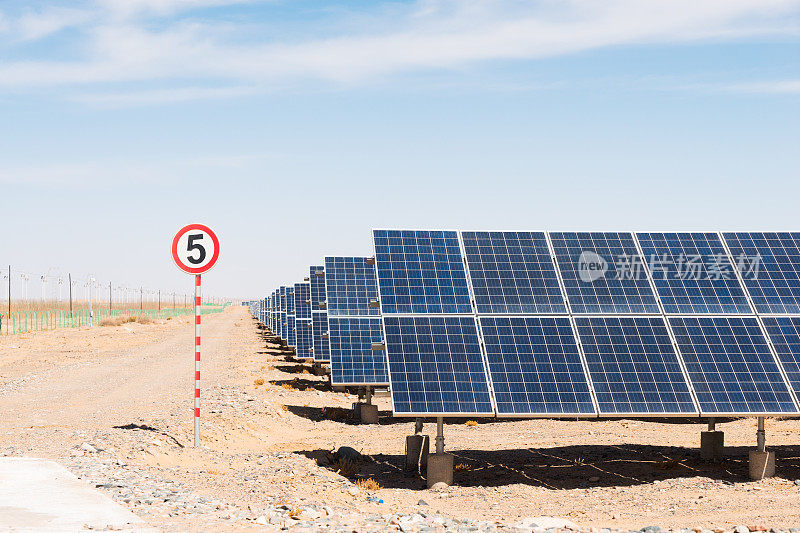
{"x": 366, "y": 413}
{"x": 712, "y": 445}
{"x": 417, "y": 449}
{"x": 762, "y": 465}
{"x": 440, "y": 469}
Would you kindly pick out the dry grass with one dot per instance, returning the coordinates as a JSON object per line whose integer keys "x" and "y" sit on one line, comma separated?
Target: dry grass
{"x": 288, "y": 386}
{"x": 259, "y": 381}
{"x": 368, "y": 484}
{"x": 53, "y": 305}
{"x": 462, "y": 466}
{"x": 119, "y": 320}
{"x": 471, "y": 423}
{"x": 214, "y": 472}
{"x": 296, "y": 512}
{"x": 347, "y": 467}
{"x": 285, "y": 407}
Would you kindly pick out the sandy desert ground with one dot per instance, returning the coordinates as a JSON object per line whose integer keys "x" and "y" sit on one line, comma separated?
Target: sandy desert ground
{"x": 113, "y": 404}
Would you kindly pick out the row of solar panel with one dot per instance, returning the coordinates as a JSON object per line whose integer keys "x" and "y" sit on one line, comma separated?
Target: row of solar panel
{"x": 486, "y": 363}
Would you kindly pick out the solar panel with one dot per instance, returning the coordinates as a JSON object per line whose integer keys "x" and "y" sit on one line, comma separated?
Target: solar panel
{"x": 290, "y": 300}
{"x": 535, "y": 366}
{"x": 304, "y": 337}
{"x": 420, "y": 272}
{"x": 692, "y": 273}
{"x": 769, "y": 264}
{"x": 291, "y": 336}
{"x": 316, "y": 275}
{"x": 784, "y": 332}
{"x": 633, "y": 366}
{"x": 436, "y": 366}
{"x": 353, "y": 360}
{"x": 603, "y": 273}
{"x": 350, "y": 285}
{"x": 512, "y": 272}
{"x": 730, "y": 365}
{"x": 302, "y": 300}
{"x": 284, "y": 324}
{"x": 322, "y": 350}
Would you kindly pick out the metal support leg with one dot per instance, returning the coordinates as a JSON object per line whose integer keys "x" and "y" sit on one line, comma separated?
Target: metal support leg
{"x": 712, "y": 424}
{"x": 761, "y": 435}
{"x": 418, "y": 426}
{"x": 440, "y": 435}
{"x": 368, "y": 395}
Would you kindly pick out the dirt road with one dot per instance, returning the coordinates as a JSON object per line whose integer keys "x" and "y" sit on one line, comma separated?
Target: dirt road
{"x": 114, "y": 406}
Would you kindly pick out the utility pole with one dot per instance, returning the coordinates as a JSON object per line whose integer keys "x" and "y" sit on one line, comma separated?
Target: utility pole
{"x": 141, "y": 299}
{"x": 70, "y": 295}
{"x": 109, "y": 297}
{"x": 159, "y": 299}
{"x": 9, "y": 290}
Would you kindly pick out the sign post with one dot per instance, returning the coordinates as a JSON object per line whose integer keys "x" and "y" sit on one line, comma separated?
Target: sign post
{"x": 195, "y": 249}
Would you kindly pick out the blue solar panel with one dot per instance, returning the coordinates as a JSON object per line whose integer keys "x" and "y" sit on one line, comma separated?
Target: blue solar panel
{"x": 322, "y": 349}
{"x": 349, "y": 286}
{"x": 304, "y": 338}
{"x": 283, "y": 323}
{"x": 421, "y": 272}
{"x": 436, "y": 366}
{"x": 770, "y": 266}
{"x": 290, "y": 300}
{"x": 784, "y": 332}
{"x": 512, "y": 272}
{"x": 316, "y": 275}
{"x": 535, "y": 366}
{"x": 603, "y": 273}
{"x": 291, "y": 337}
{"x": 692, "y": 273}
{"x": 353, "y": 361}
{"x": 633, "y": 366}
{"x": 731, "y": 366}
{"x": 302, "y": 300}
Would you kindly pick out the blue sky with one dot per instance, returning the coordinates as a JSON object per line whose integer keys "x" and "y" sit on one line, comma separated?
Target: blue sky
{"x": 293, "y": 128}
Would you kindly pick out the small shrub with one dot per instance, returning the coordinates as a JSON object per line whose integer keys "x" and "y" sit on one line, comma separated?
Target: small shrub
{"x": 462, "y": 466}
{"x": 296, "y": 512}
{"x": 259, "y": 381}
{"x": 470, "y": 423}
{"x": 337, "y": 414}
{"x": 287, "y": 386}
{"x": 368, "y": 484}
{"x": 285, "y": 407}
{"x": 117, "y": 321}
{"x": 143, "y": 319}
{"x": 347, "y": 467}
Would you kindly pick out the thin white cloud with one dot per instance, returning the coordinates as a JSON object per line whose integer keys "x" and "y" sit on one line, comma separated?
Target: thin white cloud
{"x": 430, "y": 35}
{"x": 34, "y": 25}
{"x": 768, "y": 87}
{"x": 163, "y": 96}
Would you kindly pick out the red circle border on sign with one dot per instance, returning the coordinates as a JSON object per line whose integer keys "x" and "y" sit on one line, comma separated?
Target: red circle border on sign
{"x": 214, "y": 239}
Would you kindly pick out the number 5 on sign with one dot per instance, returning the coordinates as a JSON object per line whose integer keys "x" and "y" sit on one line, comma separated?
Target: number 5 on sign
{"x": 195, "y": 249}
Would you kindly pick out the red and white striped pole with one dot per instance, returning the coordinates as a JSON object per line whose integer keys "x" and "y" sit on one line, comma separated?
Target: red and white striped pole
{"x": 197, "y": 309}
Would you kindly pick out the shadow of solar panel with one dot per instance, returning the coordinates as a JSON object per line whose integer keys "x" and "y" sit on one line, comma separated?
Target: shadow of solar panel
{"x": 512, "y": 272}
{"x": 353, "y": 360}
{"x": 633, "y": 366}
{"x": 350, "y": 285}
{"x": 603, "y": 273}
{"x": 436, "y": 366}
{"x": 322, "y": 351}
{"x": 535, "y": 366}
{"x": 784, "y": 332}
{"x": 302, "y": 300}
{"x": 317, "y": 279}
{"x": 291, "y": 335}
{"x": 305, "y": 338}
{"x": 730, "y": 365}
{"x": 693, "y": 273}
{"x": 770, "y": 267}
{"x": 421, "y": 272}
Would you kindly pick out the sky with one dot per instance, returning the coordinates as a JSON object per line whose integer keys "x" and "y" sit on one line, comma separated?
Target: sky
{"x": 292, "y": 128}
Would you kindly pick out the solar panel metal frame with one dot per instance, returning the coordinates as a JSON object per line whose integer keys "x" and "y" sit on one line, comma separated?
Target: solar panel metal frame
{"x": 774, "y": 359}
{"x": 333, "y": 286}
{"x": 563, "y": 267}
{"x": 304, "y": 339}
{"x": 335, "y": 363}
{"x": 322, "y": 350}
{"x": 302, "y": 300}
{"x": 291, "y": 338}
{"x": 735, "y": 281}
{"x": 446, "y": 414}
{"x": 494, "y": 381}
{"x": 317, "y": 287}
{"x": 731, "y": 243}
{"x": 383, "y": 297}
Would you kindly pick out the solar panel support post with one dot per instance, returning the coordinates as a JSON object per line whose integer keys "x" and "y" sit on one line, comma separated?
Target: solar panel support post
{"x": 762, "y": 462}
{"x": 439, "y": 434}
{"x": 761, "y": 436}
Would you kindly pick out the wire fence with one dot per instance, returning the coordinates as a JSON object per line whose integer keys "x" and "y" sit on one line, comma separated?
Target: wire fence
{"x": 29, "y": 321}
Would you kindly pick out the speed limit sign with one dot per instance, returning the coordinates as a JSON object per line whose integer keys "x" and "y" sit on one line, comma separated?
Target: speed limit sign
{"x": 195, "y": 249}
